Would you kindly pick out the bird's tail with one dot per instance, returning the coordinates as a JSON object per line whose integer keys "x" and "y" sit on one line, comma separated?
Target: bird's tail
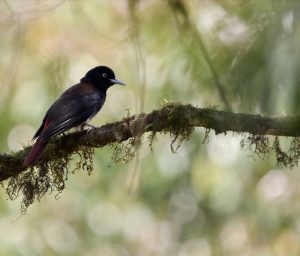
{"x": 35, "y": 153}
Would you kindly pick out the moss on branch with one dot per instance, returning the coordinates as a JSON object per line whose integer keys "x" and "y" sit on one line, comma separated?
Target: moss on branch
{"x": 50, "y": 172}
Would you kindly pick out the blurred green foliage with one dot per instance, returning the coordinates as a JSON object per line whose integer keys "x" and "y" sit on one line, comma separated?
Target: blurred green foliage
{"x": 207, "y": 199}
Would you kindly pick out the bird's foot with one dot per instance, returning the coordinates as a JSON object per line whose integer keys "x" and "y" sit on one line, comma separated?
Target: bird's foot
{"x": 80, "y": 128}
{"x": 90, "y": 126}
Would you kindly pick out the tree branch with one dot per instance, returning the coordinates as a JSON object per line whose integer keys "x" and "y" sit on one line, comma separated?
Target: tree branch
{"x": 188, "y": 27}
{"x": 172, "y": 118}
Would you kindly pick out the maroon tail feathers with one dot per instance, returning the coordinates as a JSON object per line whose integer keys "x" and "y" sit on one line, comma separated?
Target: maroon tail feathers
{"x": 35, "y": 153}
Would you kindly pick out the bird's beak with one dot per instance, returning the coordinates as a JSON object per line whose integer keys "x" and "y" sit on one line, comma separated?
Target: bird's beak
{"x": 117, "y": 81}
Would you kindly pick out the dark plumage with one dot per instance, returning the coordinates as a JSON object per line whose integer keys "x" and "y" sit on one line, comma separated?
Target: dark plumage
{"x": 75, "y": 107}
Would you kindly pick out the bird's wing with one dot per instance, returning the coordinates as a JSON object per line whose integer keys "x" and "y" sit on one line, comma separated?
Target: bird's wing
{"x": 38, "y": 132}
{"x": 74, "y": 107}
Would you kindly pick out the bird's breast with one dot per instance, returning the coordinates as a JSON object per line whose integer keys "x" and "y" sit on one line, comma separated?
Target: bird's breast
{"x": 94, "y": 100}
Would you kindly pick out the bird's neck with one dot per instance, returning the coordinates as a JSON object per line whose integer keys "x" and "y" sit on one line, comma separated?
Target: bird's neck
{"x": 98, "y": 87}
{"x": 85, "y": 80}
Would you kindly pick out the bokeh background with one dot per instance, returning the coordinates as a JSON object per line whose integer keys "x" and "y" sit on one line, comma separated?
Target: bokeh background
{"x": 207, "y": 199}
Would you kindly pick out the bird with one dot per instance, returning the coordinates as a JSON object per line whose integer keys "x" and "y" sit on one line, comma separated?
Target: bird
{"x": 73, "y": 109}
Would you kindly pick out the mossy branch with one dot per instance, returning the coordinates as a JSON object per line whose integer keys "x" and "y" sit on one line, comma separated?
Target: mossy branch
{"x": 171, "y": 117}
{"x": 180, "y": 120}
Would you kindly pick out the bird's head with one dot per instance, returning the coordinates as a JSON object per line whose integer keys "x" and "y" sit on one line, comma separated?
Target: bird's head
{"x": 102, "y": 77}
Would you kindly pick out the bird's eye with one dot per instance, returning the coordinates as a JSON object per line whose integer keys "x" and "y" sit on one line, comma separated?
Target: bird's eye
{"x": 104, "y": 75}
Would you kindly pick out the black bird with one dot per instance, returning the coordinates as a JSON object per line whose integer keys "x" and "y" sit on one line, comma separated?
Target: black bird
{"x": 74, "y": 108}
